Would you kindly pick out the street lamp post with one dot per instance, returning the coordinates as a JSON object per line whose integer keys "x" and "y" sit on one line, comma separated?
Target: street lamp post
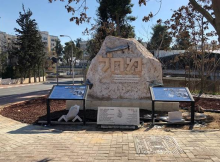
{"x": 71, "y": 55}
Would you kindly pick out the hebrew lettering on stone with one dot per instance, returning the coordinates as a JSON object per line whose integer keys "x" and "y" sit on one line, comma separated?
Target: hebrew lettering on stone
{"x": 106, "y": 60}
{"x": 131, "y": 61}
{"x": 121, "y": 63}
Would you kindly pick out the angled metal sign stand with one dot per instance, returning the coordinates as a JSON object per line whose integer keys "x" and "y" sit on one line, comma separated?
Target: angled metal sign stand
{"x": 172, "y": 94}
{"x": 67, "y": 92}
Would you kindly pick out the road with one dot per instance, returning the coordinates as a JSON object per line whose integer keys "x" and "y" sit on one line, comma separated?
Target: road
{"x": 16, "y": 93}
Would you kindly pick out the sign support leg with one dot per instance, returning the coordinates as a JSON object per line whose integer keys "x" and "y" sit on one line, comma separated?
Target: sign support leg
{"x": 153, "y": 112}
{"x": 48, "y": 112}
{"x": 192, "y": 113}
{"x": 84, "y": 113}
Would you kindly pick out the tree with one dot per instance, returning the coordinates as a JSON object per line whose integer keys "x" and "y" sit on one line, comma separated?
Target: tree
{"x": 3, "y": 54}
{"x": 189, "y": 23}
{"x": 116, "y": 11}
{"x": 112, "y": 19}
{"x": 160, "y": 39}
{"x": 77, "y": 41}
{"x": 58, "y": 48}
{"x": 210, "y": 10}
{"x": 68, "y": 53}
{"x": 28, "y": 44}
{"x": 77, "y": 52}
{"x": 183, "y": 40}
{"x": 41, "y": 58}
{"x": 92, "y": 47}
{"x": 212, "y": 14}
{"x": 207, "y": 8}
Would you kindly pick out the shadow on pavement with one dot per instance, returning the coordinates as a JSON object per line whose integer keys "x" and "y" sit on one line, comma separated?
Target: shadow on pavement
{"x": 35, "y": 129}
{"x": 45, "y": 160}
{"x": 57, "y": 129}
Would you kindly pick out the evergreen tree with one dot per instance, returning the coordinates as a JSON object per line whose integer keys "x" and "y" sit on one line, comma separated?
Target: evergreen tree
{"x": 112, "y": 20}
{"x": 58, "y": 48}
{"x": 28, "y": 44}
{"x": 77, "y": 52}
{"x": 77, "y": 41}
{"x": 160, "y": 39}
{"x": 116, "y": 11}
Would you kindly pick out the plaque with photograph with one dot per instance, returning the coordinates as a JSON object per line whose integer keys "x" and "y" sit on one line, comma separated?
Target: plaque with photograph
{"x": 171, "y": 94}
{"x": 68, "y": 92}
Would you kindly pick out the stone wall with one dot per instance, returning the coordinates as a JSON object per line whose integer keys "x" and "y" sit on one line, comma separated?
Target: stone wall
{"x": 8, "y": 81}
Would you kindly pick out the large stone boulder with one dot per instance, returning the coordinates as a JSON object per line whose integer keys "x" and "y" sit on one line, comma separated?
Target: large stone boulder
{"x": 123, "y": 69}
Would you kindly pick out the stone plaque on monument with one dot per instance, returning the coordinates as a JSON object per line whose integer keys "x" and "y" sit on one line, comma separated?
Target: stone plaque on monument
{"x": 118, "y": 116}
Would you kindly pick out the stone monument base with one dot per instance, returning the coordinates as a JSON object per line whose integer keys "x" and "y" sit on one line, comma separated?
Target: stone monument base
{"x": 146, "y": 104}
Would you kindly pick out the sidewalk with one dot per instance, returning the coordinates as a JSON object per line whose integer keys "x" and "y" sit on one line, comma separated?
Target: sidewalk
{"x": 22, "y": 142}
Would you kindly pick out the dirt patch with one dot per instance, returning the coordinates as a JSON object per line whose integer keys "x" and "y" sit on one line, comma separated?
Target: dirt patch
{"x": 30, "y": 111}
{"x": 34, "y": 110}
{"x": 205, "y": 103}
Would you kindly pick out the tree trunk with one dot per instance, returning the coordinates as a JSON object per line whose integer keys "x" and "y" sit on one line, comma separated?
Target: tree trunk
{"x": 29, "y": 76}
{"x": 214, "y": 21}
{"x": 38, "y": 70}
{"x": 22, "y": 79}
{"x": 118, "y": 26}
{"x": 216, "y": 8}
{"x": 35, "y": 77}
{"x": 43, "y": 73}
{"x": 203, "y": 57}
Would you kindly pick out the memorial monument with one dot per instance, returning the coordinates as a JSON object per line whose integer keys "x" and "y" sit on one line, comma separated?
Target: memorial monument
{"x": 121, "y": 73}
{"x": 123, "y": 69}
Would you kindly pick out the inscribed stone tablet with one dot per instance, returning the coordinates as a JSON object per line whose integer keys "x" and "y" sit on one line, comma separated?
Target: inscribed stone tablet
{"x": 118, "y": 115}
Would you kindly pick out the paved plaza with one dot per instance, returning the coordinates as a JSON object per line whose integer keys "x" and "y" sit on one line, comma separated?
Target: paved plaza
{"x": 22, "y": 142}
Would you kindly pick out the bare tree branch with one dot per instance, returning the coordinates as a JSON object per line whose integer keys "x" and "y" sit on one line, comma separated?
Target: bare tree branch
{"x": 206, "y": 14}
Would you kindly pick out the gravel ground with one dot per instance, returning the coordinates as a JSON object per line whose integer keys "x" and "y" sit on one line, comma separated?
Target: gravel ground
{"x": 34, "y": 110}
{"x": 207, "y": 96}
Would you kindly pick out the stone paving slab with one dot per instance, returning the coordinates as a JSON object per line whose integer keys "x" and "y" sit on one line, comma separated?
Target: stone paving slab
{"x": 22, "y": 142}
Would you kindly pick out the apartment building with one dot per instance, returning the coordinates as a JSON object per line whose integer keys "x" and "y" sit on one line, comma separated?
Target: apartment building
{"x": 49, "y": 41}
{"x": 6, "y": 41}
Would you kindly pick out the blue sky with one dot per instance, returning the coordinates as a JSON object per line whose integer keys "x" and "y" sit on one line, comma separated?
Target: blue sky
{"x": 53, "y": 17}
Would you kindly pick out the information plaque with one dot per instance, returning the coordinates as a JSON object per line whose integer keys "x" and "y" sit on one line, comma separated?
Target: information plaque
{"x": 171, "y": 94}
{"x": 118, "y": 116}
{"x": 67, "y": 92}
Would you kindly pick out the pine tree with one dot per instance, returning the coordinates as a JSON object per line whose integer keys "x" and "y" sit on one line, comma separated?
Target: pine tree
{"x": 58, "y": 48}
{"x": 160, "y": 39}
{"x": 116, "y": 11}
{"x": 29, "y": 45}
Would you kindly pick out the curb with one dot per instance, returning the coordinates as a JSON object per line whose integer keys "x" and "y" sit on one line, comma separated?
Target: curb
{"x": 20, "y": 85}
